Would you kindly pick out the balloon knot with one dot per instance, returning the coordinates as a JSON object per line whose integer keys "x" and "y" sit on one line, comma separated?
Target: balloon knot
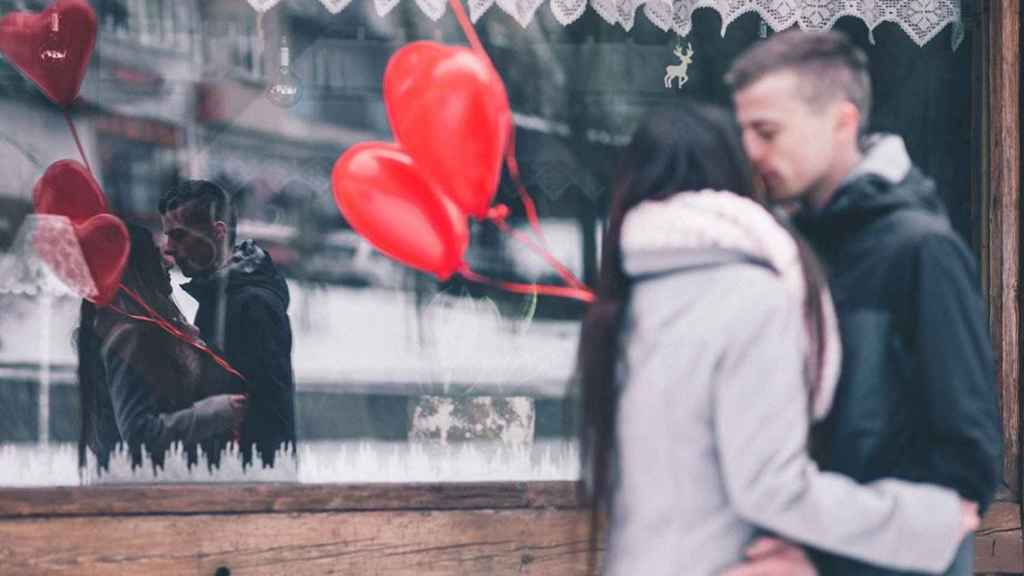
{"x": 498, "y": 213}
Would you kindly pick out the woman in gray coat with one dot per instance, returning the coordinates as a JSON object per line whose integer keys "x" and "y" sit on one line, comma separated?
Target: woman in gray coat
{"x": 711, "y": 349}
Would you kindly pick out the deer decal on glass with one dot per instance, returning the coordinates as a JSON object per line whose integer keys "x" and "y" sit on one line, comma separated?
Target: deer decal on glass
{"x": 678, "y": 71}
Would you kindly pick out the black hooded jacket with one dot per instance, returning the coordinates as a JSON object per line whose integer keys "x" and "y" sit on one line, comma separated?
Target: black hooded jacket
{"x": 243, "y": 310}
{"x": 916, "y": 397}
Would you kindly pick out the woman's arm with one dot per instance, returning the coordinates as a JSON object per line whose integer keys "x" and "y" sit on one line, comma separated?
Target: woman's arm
{"x": 761, "y": 420}
{"x": 128, "y": 360}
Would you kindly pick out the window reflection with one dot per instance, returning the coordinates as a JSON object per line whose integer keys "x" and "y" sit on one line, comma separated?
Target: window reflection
{"x": 394, "y": 376}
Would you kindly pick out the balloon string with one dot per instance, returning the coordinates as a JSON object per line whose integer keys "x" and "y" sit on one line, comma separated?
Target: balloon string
{"x": 530, "y": 207}
{"x": 524, "y": 196}
{"x": 166, "y": 326}
{"x": 510, "y": 152}
{"x": 468, "y": 30}
{"x": 559, "y": 291}
{"x": 497, "y": 216}
{"x": 78, "y": 141}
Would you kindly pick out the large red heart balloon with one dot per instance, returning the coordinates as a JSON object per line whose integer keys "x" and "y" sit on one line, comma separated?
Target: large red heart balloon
{"x": 52, "y": 48}
{"x": 383, "y": 195}
{"x": 68, "y": 189}
{"x": 449, "y": 110}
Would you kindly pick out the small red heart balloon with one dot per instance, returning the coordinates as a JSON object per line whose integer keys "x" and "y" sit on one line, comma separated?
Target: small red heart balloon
{"x": 449, "y": 110}
{"x": 386, "y": 199}
{"x": 53, "y": 47}
{"x": 67, "y": 188}
{"x": 101, "y": 241}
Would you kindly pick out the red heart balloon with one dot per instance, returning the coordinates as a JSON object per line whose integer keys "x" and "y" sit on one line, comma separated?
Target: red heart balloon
{"x": 67, "y": 188}
{"x": 384, "y": 196}
{"x": 52, "y": 48}
{"x": 101, "y": 241}
{"x": 449, "y": 110}
{"x": 106, "y": 246}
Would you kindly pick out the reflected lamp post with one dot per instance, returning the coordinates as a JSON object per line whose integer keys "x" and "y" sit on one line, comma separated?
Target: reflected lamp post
{"x": 24, "y": 272}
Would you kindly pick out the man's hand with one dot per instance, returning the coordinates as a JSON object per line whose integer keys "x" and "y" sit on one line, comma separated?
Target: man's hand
{"x": 969, "y": 518}
{"x": 774, "y": 557}
{"x": 239, "y": 403}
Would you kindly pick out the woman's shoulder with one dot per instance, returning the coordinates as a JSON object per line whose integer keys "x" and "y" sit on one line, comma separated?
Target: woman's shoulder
{"x": 127, "y": 336}
{"x": 758, "y": 294}
{"x": 742, "y": 287}
{"x": 716, "y": 305}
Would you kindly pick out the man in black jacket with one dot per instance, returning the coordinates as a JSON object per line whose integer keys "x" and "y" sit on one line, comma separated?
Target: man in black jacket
{"x": 243, "y": 308}
{"x": 916, "y": 396}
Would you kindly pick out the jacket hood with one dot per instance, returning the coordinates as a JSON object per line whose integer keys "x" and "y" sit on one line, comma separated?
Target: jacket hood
{"x": 249, "y": 266}
{"x": 884, "y": 181}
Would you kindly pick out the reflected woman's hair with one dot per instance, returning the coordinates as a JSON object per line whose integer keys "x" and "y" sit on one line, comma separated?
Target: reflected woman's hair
{"x": 140, "y": 385}
{"x": 145, "y": 274}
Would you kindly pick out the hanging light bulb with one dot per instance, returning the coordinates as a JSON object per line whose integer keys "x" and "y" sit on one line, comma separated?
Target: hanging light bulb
{"x": 53, "y": 52}
{"x": 286, "y": 89}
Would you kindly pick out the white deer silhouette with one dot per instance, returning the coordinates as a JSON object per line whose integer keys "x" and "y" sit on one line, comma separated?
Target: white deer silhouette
{"x": 679, "y": 70}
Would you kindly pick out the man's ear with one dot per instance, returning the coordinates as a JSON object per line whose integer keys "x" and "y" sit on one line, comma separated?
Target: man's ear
{"x": 220, "y": 230}
{"x": 847, "y": 119}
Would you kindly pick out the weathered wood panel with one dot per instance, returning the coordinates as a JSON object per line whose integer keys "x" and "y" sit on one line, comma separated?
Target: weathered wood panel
{"x": 536, "y": 542}
{"x": 1000, "y": 548}
{"x": 382, "y": 529}
{"x": 1001, "y": 228}
{"x": 241, "y": 498}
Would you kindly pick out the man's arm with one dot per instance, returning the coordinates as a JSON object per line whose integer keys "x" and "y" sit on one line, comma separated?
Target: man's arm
{"x": 953, "y": 362}
{"x": 264, "y": 358}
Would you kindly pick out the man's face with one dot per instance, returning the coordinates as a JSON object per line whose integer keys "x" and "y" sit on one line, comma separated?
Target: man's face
{"x": 192, "y": 247}
{"x": 790, "y": 142}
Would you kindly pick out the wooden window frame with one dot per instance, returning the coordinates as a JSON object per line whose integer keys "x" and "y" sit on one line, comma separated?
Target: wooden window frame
{"x": 998, "y": 203}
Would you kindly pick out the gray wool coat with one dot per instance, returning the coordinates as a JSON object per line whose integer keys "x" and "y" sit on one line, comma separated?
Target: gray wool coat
{"x": 712, "y": 432}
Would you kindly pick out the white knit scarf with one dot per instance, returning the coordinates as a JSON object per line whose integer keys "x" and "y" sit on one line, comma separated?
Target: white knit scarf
{"x": 726, "y": 221}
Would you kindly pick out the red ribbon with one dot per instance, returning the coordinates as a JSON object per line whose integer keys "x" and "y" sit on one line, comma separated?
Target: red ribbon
{"x": 78, "y": 142}
{"x": 165, "y": 325}
{"x": 497, "y": 216}
{"x": 576, "y": 289}
{"x": 560, "y": 291}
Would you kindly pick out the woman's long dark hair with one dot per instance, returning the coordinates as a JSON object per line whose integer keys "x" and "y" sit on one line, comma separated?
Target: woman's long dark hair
{"x": 690, "y": 148}
{"x": 144, "y": 273}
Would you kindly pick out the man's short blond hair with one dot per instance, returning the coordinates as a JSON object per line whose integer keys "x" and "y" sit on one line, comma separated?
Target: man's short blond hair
{"x": 829, "y": 66}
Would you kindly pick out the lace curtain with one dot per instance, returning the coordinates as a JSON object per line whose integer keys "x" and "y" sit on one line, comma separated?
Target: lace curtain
{"x": 922, "y": 20}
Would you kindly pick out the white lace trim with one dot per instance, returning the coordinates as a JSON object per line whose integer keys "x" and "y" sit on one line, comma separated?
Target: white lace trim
{"x": 922, "y": 20}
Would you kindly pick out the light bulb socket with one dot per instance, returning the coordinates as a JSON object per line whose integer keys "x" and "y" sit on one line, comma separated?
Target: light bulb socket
{"x": 55, "y": 22}
{"x": 286, "y": 56}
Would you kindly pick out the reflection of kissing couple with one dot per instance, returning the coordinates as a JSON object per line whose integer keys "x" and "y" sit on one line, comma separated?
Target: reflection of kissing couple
{"x": 149, "y": 379}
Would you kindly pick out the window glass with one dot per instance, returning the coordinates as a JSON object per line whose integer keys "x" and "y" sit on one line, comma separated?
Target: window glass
{"x": 368, "y": 370}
